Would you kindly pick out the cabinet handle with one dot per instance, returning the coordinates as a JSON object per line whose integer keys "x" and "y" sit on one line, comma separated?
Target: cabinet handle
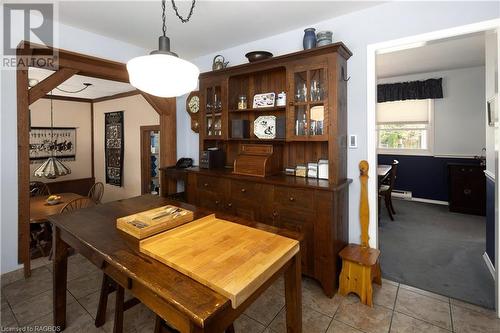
{"x": 217, "y": 202}
{"x": 467, "y": 191}
{"x": 291, "y": 199}
{"x": 243, "y": 190}
{"x": 275, "y": 213}
{"x": 230, "y": 204}
{"x": 206, "y": 184}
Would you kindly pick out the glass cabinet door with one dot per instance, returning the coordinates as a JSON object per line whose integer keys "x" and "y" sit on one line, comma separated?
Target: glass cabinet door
{"x": 213, "y": 112}
{"x": 309, "y": 104}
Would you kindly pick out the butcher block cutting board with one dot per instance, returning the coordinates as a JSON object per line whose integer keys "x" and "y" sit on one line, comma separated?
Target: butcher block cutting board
{"x": 153, "y": 221}
{"x": 230, "y": 258}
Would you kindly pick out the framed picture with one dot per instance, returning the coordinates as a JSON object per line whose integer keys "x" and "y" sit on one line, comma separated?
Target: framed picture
{"x": 60, "y": 141}
{"x": 492, "y": 110}
{"x": 263, "y": 100}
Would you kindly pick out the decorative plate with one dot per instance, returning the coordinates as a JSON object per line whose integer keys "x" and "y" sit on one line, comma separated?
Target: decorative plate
{"x": 264, "y": 127}
{"x": 263, "y": 100}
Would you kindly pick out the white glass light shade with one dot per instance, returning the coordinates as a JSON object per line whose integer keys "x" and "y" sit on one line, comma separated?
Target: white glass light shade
{"x": 52, "y": 168}
{"x": 163, "y": 75}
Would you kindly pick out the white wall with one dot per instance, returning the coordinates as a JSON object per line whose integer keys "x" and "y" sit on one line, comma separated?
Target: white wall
{"x": 70, "y": 38}
{"x": 137, "y": 112}
{"x": 459, "y": 115}
{"x": 491, "y": 89}
{"x": 67, "y": 114}
{"x": 357, "y": 30}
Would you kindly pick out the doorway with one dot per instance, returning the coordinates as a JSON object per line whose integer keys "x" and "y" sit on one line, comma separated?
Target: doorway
{"x": 150, "y": 159}
{"x": 406, "y": 43}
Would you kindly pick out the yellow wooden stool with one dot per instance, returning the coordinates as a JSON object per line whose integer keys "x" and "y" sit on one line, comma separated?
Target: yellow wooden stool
{"x": 360, "y": 267}
{"x": 360, "y": 264}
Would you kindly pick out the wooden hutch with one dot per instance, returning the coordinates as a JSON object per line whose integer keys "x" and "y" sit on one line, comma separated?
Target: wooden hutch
{"x": 318, "y": 208}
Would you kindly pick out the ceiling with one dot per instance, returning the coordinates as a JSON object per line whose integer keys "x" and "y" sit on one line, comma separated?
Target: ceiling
{"x": 215, "y": 25}
{"x": 99, "y": 88}
{"x": 444, "y": 54}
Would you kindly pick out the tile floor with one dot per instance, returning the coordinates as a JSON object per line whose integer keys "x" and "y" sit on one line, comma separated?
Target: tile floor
{"x": 398, "y": 308}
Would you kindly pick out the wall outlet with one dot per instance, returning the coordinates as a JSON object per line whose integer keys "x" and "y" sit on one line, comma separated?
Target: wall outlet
{"x": 353, "y": 141}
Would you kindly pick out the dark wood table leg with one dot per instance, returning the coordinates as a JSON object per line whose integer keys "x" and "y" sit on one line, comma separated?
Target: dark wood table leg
{"x": 293, "y": 296}
{"x": 119, "y": 301}
{"x": 59, "y": 279}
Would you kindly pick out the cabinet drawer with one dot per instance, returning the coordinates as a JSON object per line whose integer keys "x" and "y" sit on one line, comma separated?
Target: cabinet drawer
{"x": 294, "y": 198}
{"x": 213, "y": 184}
{"x": 244, "y": 190}
{"x": 210, "y": 200}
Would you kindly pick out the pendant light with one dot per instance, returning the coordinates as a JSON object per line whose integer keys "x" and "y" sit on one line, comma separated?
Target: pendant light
{"x": 52, "y": 167}
{"x": 162, "y": 73}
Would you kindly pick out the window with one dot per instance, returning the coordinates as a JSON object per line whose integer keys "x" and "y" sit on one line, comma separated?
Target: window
{"x": 405, "y": 127}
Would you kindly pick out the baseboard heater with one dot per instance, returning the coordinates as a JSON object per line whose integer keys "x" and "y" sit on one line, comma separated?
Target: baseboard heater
{"x": 402, "y": 194}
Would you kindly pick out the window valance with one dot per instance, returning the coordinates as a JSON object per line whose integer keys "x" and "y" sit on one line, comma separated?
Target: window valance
{"x": 431, "y": 88}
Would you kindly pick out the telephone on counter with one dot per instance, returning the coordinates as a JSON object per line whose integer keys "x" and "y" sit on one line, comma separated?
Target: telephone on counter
{"x": 184, "y": 163}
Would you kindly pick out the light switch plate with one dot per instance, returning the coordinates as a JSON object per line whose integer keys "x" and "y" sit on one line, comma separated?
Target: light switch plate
{"x": 353, "y": 141}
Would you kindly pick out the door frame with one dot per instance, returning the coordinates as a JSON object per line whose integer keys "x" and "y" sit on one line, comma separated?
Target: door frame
{"x": 371, "y": 100}
{"x": 145, "y": 153}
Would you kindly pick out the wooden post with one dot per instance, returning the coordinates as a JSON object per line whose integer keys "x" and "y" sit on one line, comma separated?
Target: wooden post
{"x": 364, "y": 209}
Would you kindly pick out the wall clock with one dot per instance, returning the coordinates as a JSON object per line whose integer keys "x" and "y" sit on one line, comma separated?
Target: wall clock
{"x": 193, "y": 109}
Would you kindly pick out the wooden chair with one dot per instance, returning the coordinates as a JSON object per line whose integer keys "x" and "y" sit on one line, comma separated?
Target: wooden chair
{"x": 77, "y": 204}
{"x": 96, "y": 192}
{"x": 38, "y": 189}
{"x": 385, "y": 190}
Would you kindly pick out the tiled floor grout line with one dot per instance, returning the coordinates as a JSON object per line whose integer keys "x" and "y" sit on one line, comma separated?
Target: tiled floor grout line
{"x": 394, "y": 307}
{"x": 424, "y": 320}
{"x": 269, "y": 325}
{"x": 451, "y": 316}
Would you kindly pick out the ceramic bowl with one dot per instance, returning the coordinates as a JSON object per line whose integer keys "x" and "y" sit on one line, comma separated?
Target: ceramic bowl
{"x": 258, "y": 55}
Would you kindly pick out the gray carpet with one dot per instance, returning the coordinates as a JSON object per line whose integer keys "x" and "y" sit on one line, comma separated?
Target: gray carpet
{"x": 430, "y": 248}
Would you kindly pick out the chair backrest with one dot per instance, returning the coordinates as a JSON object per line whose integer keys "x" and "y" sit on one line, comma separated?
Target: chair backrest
{"x": 96, "y": 192}
{"x": 38, "y": 189}
{"x": 393, "y": 174}
{"x": 77, "y": 204}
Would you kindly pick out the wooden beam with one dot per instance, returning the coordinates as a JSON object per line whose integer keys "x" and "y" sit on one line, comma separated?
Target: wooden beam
{"x": 68, "y": 98}
{"x": 23, "y": 175}
{"x": 166, "y": 108}
{"x": 115, "y": 96}
{"x": 86, "y": 65}
{"x": 160, "y": 104}
{"x": 43, "y": 87}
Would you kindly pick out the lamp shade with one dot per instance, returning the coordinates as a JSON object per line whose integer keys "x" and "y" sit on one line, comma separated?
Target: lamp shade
{"x": 163, "y": 75}
{"x": 52, "y": 168}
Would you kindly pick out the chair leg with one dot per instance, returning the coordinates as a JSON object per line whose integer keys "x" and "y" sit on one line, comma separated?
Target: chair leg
{"x": 388, "y": 206}
{"x": 392, "y": 206}
{"x": 120, "y": 300}
{"x": 100, "y": 318}
{"x": 162, "y": 327}
{"x": 230, "y": 329}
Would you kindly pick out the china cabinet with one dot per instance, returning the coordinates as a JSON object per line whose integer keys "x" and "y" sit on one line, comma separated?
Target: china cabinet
{"x": 313, "y": 127}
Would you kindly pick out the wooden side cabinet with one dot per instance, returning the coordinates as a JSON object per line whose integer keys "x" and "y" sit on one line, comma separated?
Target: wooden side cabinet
{"x": 467, "y": 186}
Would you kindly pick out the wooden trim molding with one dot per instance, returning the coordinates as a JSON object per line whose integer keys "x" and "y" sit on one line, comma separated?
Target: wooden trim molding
{"x": 145, "y": 153}
{"x": 68, "y": 98}
{"x": 115, "y": 96}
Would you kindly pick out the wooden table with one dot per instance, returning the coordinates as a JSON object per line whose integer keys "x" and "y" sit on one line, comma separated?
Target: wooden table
{"x": 184, "y": 303}
{"x": 40, "y": 210}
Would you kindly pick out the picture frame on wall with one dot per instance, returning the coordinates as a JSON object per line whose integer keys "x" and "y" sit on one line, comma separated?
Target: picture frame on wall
{"x": 59, "y": 141}
{"x": 492, "y": 111}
